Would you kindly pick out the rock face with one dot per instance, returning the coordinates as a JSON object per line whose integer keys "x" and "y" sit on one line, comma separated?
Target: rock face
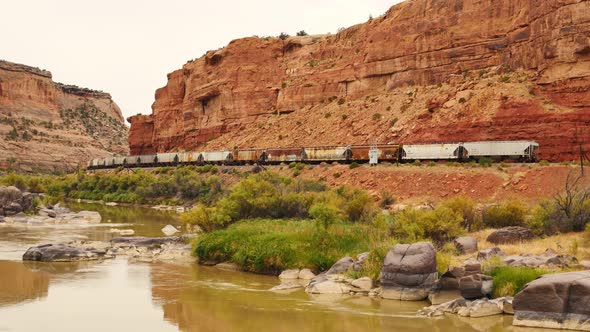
{"x": 559, "y": 301}
{"x": 507, "y": 70}
{"x": 51, "y": 126}
{"x": 63, "y": 253}
{"x": 409, "y": 271}
{"x": 512, "y": 234}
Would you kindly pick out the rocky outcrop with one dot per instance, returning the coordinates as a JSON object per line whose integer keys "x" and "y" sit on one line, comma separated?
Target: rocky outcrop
{"x": 466, "y": 244}
{"x": 473, "y": 309}
{"x": 510, "y": 235}
{"x": 549, "y": 258}
{"x": 481, "y": 70}
{"x": 51, "y": 126}
{"x": 56, "y": 215}
{"x": 558, "y": 301}
{"x": 63, "y": 253}
{"x": 409, "y": 271}
{"x": 13, "y": 201}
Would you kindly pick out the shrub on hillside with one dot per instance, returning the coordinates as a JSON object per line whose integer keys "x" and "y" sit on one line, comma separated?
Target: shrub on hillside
{"x": 465, "y": 206}
{"x": 511, "y": 213}
{"x": 439, "y": 225}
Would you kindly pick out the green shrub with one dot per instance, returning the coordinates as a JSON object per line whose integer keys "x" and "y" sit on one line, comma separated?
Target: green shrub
{"x": 354, "y": 165}
{"x": 509, "y": 280}
{"x": 485, "y": 162}
{"x": 439, "y": 225}
{"x": 270, "y": 246}
{"x": 543, "y": 163}
{"x": 511, "y": 213}
{"x": 443, "y": 261}
{"x": 324, "y": 215}
{"x": 417, "y": 163}
{"x": 465, "y": 206}
{"x": 431, "y": 164}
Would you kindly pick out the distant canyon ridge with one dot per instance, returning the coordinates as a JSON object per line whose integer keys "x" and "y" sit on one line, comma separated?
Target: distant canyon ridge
{"x": 425, "y": 71}
{"x": 52, "y": 127}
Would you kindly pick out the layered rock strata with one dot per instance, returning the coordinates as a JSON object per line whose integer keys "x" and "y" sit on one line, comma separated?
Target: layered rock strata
{"x": 479, "y": 70}
{"x": 48, "y": 126}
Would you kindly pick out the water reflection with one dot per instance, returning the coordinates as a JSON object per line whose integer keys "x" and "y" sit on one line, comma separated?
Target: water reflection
{"x": 205, "y": 299}
{"x": 19, "y": 284}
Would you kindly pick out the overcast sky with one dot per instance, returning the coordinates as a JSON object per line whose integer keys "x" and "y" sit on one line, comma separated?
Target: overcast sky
{"x": 126, "y": 47}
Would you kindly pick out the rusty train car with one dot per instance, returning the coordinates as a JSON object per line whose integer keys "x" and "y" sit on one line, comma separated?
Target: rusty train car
{"x": 372, "y": 154}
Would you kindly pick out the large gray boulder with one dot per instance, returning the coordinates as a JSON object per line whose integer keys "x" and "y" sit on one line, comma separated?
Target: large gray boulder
{"x": 466, "y": 244}
{"x": 409, "y": 271}
{"x": 560, "y": 301}
{"x": 510, "y": 235}
{"x": 343, "y": 265}
{"x": 63, "y": 253}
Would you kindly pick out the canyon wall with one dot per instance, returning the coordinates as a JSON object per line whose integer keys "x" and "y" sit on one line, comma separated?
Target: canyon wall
{"x": 425, "y": 71}
{"x": 48, "y": 126}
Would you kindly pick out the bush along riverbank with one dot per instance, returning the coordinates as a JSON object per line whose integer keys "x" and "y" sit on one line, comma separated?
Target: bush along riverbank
{"x": 464, "y": 259}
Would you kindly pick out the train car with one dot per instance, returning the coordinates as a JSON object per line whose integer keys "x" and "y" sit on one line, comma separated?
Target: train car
{"x": 249, "y": 156}
{"x": 109, "y": 162}
{"x": 442, "y": 151}
{"x": 119, "y": 161}
{"x": 142, "y": 160}
{"x": 383, "y": 152}
{"x": 216, "y": 157}
{"x": 327, "y": 153}
{"x": 287, "y": 155}
{"x": 188, "y": 157}
{"x": 519, "y": 150}
{"x": 167, "y": 159}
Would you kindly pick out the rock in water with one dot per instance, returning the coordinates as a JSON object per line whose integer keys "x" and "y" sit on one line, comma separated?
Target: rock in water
{"x": 466, "y": 245}
{"x": 169, "y": 230}
{"x": 409, "y": 271}
{"x": 306, "y": 274}
{"x": 510, "y": 235}
{"x": 559, "y": 301}
{"x": 63, "y": 253}
{"x": 289, "y": 274}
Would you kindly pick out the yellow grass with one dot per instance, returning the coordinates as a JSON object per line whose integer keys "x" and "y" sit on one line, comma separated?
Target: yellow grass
{"x": 570, "y": 243}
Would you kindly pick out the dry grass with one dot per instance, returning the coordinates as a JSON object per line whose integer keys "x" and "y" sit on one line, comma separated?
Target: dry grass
{"x": 570, "y": 243}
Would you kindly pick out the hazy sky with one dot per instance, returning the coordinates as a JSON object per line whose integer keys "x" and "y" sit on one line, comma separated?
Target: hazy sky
{"x": 126, "y": 47}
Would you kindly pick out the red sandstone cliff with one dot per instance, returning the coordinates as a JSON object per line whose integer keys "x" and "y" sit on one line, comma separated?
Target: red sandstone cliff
{"x": 427, "y": 70}
{"x": 49, "y": 126}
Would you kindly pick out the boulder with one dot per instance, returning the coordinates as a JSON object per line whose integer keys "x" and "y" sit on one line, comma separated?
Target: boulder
{"x": 169, "y": 230}
{"x": 465, "y": 308}
{"x": 324, "y": 285}
{"x": 559, "y": 301}
{"x": 12, "y": 208}
{"x": 549, "y": 259}
{"x": 63, "y": 253}
{"x": 409, "y": 271}
{"x": 341, "y": 266}
{"x": 140, "y": 241}
{"x": 510, "y": 235}
{"x": 485, "y": 254}
{"x": 481, "y": 308}
{"x": 466, "y": 245}
{"x": 364, "y": 283}
{"x": 27, "y": 201}
{"x": 583, "y": 264}
{"x": 9, "y": 195}
{"x": 476, "y": 286}
{"x": 306, "y": 274}
{"x": 472, "y": 266}
{"x": 289, "y": 274}
{"x": 447, "y": 287}
{"x": 359, "y": 261}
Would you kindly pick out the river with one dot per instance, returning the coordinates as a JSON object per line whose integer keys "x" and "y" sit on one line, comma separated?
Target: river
{"x": 121, "y": 295}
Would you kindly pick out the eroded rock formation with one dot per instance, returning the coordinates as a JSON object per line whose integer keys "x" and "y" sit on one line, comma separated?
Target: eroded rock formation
{"x": 481, "y": 70}
{"x": 51, "y": 126}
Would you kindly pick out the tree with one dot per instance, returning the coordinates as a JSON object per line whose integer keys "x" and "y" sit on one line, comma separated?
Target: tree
{"x": 284, "y": 35}
{"x": 574, "y": 203}
{"x": 302, "y": 33}
{"x": 324, "y": 215}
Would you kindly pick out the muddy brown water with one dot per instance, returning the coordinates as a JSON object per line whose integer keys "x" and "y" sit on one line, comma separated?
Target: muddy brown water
{"x": 119, "y": 295}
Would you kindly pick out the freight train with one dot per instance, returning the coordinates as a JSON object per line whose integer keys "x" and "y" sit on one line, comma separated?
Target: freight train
{"x": 524, "y": 151}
